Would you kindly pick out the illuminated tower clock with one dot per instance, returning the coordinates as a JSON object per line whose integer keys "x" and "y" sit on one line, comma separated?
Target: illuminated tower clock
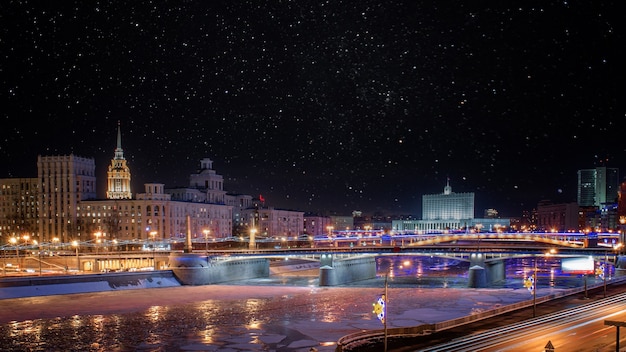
{"x": 119, "y": 174}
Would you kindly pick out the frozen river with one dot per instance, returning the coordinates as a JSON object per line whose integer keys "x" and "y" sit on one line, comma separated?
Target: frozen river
{"x": 282, "y": 313}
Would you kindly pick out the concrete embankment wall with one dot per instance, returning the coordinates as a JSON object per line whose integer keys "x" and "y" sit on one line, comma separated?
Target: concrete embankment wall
{"x": 348, "y": 270}
{"x": 32, "y": 286}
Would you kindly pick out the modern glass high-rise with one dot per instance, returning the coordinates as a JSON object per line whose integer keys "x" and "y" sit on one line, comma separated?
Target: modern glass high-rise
{"x": 597, "y": 186}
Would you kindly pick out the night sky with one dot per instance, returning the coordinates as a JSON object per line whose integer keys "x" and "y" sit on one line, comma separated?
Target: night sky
{"x": 321, "y": 106}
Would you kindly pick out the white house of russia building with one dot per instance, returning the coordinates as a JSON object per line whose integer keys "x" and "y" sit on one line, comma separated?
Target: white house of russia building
{"x": 448, "y": 211}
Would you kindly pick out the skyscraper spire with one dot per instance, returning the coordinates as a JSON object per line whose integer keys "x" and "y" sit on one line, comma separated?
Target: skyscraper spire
{"x": 119, "y": 173}
{"x": 119, "y": 152}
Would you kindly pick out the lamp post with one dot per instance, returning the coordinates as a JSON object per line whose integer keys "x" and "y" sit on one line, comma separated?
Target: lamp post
{"x": 386, "y": 308}
{"x": 4, "y": 261}
{"x": 25, "y": 238}
{"x": 153, "y": 236}
{"x": 622, "y": 237}
{"x": 97, "y": 235}
{"x": 16, "y": 242}
{"x": 76, "y": 244}
{"x": 533, "y": 282}
{"x": 330, "y": 235}
{"x": 206, "y": 241}
{"x": 252, "y": 243}
{"x": 535, "y": 289}
{"x": 36, "y": 243}
{"x": 55, "y": 240}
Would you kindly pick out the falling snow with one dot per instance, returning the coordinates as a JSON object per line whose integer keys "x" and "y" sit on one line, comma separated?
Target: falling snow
{"x": 320, "y": 106}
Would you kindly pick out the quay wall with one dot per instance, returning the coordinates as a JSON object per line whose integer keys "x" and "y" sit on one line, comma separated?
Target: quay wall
{"x": 32, "y": 286}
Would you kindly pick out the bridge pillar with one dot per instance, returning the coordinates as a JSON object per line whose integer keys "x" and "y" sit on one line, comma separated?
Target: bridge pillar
{"x": 477, "y": 277}
{"x": 477, "y": 272}
{"x": 477, "y": 258}
{"x": 347, "y": 270}
{"x": 620, "y": 266}
{"x": 496, "y": 271}
{"x": 194, "y": 269}
{"x": 326, "y": 259}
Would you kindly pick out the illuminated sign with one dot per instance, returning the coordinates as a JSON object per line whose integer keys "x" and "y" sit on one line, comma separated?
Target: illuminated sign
{"x": 600, "y": 271}
{"x": 530, "y": 284}
{"x": 379, "y": 309}
{"x": 580, "y": 265}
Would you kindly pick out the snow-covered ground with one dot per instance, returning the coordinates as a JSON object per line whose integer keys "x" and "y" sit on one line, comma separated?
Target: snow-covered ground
{"x": 228, "y": 317}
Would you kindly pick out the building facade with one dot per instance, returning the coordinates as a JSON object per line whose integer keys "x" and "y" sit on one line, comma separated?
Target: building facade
{"x": 597, "y": 186}
{"x": 448, "y": 205}
{"x": 19, "y": 208}
{"x": 621, "y": 203}
{"x": 561, "y": 217}
{"x": 271, "y": 222}
{"x": 205, "y": 186}
{"x": 316, "y": 225}
{"x": 153, "y": 216}
{"x": 64, "y": 181}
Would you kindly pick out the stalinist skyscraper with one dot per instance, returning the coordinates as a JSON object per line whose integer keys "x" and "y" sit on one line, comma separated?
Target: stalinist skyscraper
{"x": 119, "y": 174}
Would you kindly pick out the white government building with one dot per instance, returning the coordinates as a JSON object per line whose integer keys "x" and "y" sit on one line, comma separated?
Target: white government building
{"x": 448, "y": 211}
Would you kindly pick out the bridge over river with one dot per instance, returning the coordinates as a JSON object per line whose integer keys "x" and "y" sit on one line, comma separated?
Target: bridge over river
{"x": 338, "y": 264}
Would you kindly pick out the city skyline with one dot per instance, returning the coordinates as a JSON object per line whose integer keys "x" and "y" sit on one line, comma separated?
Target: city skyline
{"x": 321, "y": 107}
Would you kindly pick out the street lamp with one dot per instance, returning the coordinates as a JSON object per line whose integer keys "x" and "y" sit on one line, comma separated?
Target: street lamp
{"x": 76, "y": 245}
{"x": 532, "y": 282}
{"x": 330, "y": 235}
{"x": 206, "y": 241}
{"x": 153, "y": 236}
{"x": 604, "y": 271}
{"x": 535, "y": 289}
{"x": 97, "y": 234}
{"x": 252, "y": 243}
{"x": 55, "y": 240}
{"x": 622, "y": 230}
{"x": 16, "y": 242}
{"x": 36, "y": 243}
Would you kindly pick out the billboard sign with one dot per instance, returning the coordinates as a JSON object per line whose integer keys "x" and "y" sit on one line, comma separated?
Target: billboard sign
{"x": 578, "y": 265}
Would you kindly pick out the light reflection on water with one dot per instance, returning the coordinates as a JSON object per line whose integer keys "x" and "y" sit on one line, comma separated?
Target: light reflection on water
{"x": 206, "y": 325}
{"x": 435, "y": 272}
